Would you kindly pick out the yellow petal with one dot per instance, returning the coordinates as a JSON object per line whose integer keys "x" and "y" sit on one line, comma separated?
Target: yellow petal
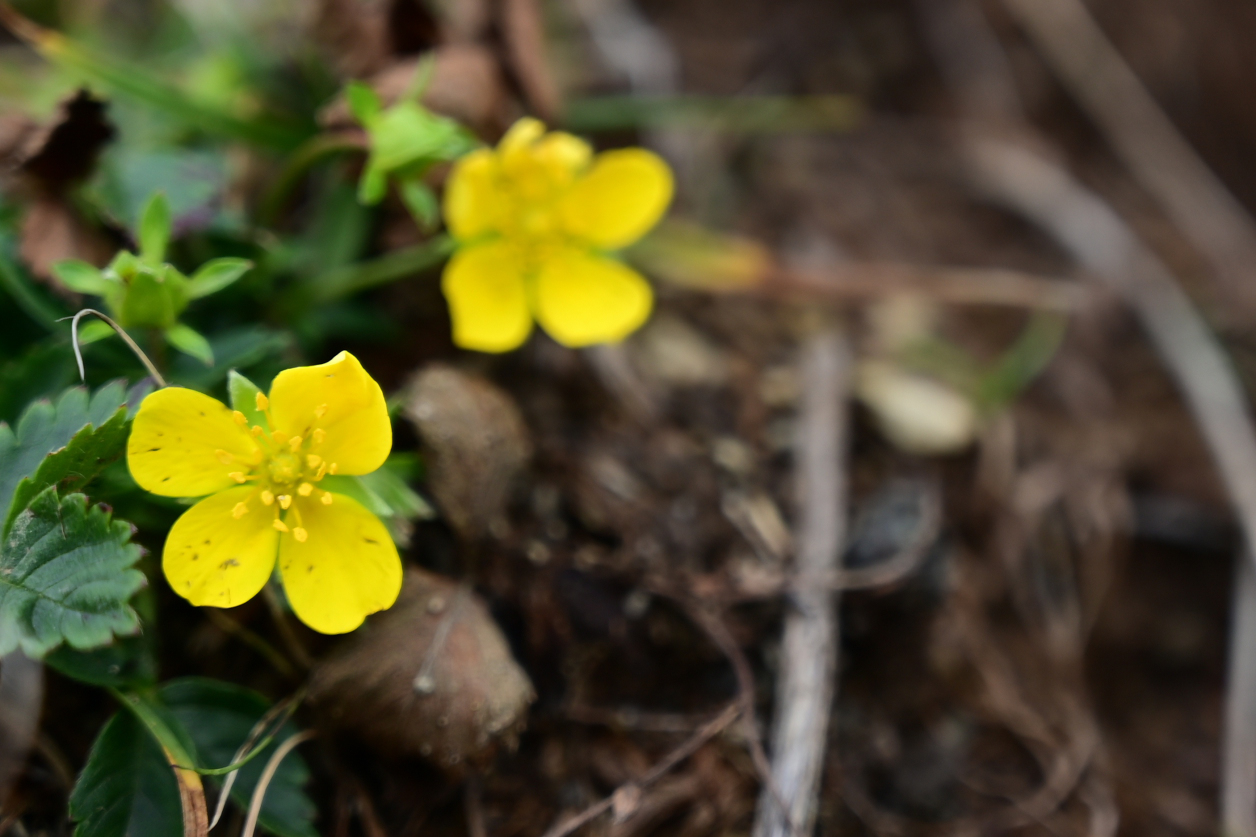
{"x": 521, "y": 136}
{"x": 583, "y": 298}
{"x": 176, "y": 443}
{"x": 487, "y": 299}
{"x": 624, "y": 194}
{"x": 213, "y": 558}
{"x": 473, "y": 197}
{"x": 346, "y": 568}
{"x": 342, "y": 399}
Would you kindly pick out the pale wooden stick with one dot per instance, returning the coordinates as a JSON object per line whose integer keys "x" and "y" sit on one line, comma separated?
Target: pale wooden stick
{"x": 805, "y": 687}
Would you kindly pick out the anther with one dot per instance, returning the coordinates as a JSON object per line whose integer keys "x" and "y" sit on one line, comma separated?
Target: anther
{"x": 267, "y": 498}
{"x": 285, "y": 500}
{"x": 322, "y": 471}
{"x": 326, "y": 498}
{"x": 224, "y": 457}
{"x": 313, "y": 459}
{"x": 257, "y": 431}
{"x": 239, "y": 417}
{"x": 320, "y": 411}
{"x": 280, "y": 525}
{"x": 295, "y": 443}
{"x": 300, "y": 534}
{"x": 278, "y": 437}
{"x": 261, "y": 401}
{"x": 238, "y": 476}
{"x": 239, "y": 511}
{"x": 331, "y": 469}
{"x": 305, "y": 489}
{"x": 319, "y": 435}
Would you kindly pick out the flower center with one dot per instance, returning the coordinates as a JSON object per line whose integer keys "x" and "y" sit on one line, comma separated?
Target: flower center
{"x": 283, "y": 468}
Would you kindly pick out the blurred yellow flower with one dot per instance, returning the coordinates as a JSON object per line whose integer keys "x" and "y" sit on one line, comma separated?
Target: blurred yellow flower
{"x": 534, "y": 221}
{"x": 261, "y": 500}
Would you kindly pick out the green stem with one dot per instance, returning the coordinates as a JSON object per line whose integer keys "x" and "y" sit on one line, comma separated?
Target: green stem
{"x": 399, "y": 264}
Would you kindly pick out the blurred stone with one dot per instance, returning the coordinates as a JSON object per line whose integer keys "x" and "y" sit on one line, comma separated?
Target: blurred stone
{"x": 475, "y": 443}
{"x": 432, "y": 677}
{"x": 917, "y": 414}
{"x": 675, "y": 353}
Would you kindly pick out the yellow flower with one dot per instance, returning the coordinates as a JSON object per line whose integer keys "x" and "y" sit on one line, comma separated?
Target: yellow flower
{"x": 534, "y": 220}
{"x": 262, "y": 500}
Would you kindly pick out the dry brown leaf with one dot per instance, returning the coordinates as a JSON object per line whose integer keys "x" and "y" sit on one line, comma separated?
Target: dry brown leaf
{"x": 51, "y": 231}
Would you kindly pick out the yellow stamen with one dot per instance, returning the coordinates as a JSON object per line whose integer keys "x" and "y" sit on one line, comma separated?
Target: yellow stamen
{"x": 331, "y": 469}
{"x": 319, "y": 435}
{"x": 262, "y": 401}
{"x": 224, "y": 457}
{"x": 279, "y": 437}
{"x": 238, "y": 476}
{"x": 295, "y": 443}
{"x": 313, "y": 459}
{"x": 305, "y": 489}
{"x": 320, "y": 411}
{"x": 257, "y": 431}
{"x": 280, "y": 525}
{"x": 322, "y": 470}
{"x": 300, "y": 534}
{"x": 239, "y": 511}
{"x": 239, "y": 418}
{"x": 285, "y": 500}
{"x": 267, "y": 498}
{"x": 326, "y": 498}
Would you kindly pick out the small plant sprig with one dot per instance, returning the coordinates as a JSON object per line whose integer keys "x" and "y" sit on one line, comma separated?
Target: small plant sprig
{"x": 406, "y": 140}
{"x": 144, "y": 291}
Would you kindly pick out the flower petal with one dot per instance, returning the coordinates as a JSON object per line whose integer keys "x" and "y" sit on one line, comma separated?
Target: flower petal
{"x": 215, "y": 559}
{"x": 623, "y": 195}
{"x": 473, "y": 198}
{"x": 487, "y": 298}
{"x": 342, "y": 399}
{"x": 346, "y": 568}
{"x": 184, "y": 444}
{"x": 583, "y": 298}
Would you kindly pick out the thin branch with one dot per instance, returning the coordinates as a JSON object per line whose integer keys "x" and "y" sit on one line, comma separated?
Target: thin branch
{"x": 259, "y": 793}
{"x": 126, "y": 338}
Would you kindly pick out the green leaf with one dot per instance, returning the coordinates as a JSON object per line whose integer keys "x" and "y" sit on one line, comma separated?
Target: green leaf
{"x": 243, "y": 394}
{"x": 363, "y": 103}
{"x": 422, "y": 203}
{"x": 385, "y": 493}
{"x": 215, "y": 275}
{"x": 190, "y": 342}
{"x": 93, "y": 331}
{"x": 218, "y": 717}
{"x": 126, "y": 663}
{"x": 154, "y": 230}
{"x": 80, "y": 276}
{"x": 66, "y": 575}
{"x": 127, "y": 788}
{"x": 73, "y": 466}
{"x": 46, "y": 427}
{"x": 373, "y": 185}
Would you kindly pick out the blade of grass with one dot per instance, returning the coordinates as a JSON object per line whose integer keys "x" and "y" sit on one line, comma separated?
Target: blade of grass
{"x": 399, "y": 264}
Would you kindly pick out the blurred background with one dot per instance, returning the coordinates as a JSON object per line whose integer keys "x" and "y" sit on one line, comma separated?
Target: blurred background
{"x": 1010, "y": 240}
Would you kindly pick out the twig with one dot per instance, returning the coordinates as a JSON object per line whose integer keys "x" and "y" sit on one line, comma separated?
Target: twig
{"x": 1100, "y": 240}
{"x": 711, "y": 729}
{"x": 126, "y": 338}
{"x": 1146, "y": 140}
{"x": 473, "y": 802}
{"x": 263, "y": 782}
{"x": 809, "y": 648}
{"x": 290, "y": 639}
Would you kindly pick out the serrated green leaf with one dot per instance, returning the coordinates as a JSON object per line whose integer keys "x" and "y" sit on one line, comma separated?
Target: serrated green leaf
{"x": 46, "y": 427}
{"x": 66, "y": 575}
{"x": 215, "y": 275}
{"x": 127, "y": 788}
{"x": 219, "y": 717}
{"x": 243, "y": 395}
{"x": 190, "y": 342}
{"x": 127, "y": 662}
{"x": 74, "y": 465}
{"x": 154, "y": 229}
{"x": 80, "y": 276}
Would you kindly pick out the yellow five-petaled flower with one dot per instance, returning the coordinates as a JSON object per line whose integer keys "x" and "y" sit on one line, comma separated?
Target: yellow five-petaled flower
{"x": 534, "y": 221}
{"x": 262, "y": 500}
